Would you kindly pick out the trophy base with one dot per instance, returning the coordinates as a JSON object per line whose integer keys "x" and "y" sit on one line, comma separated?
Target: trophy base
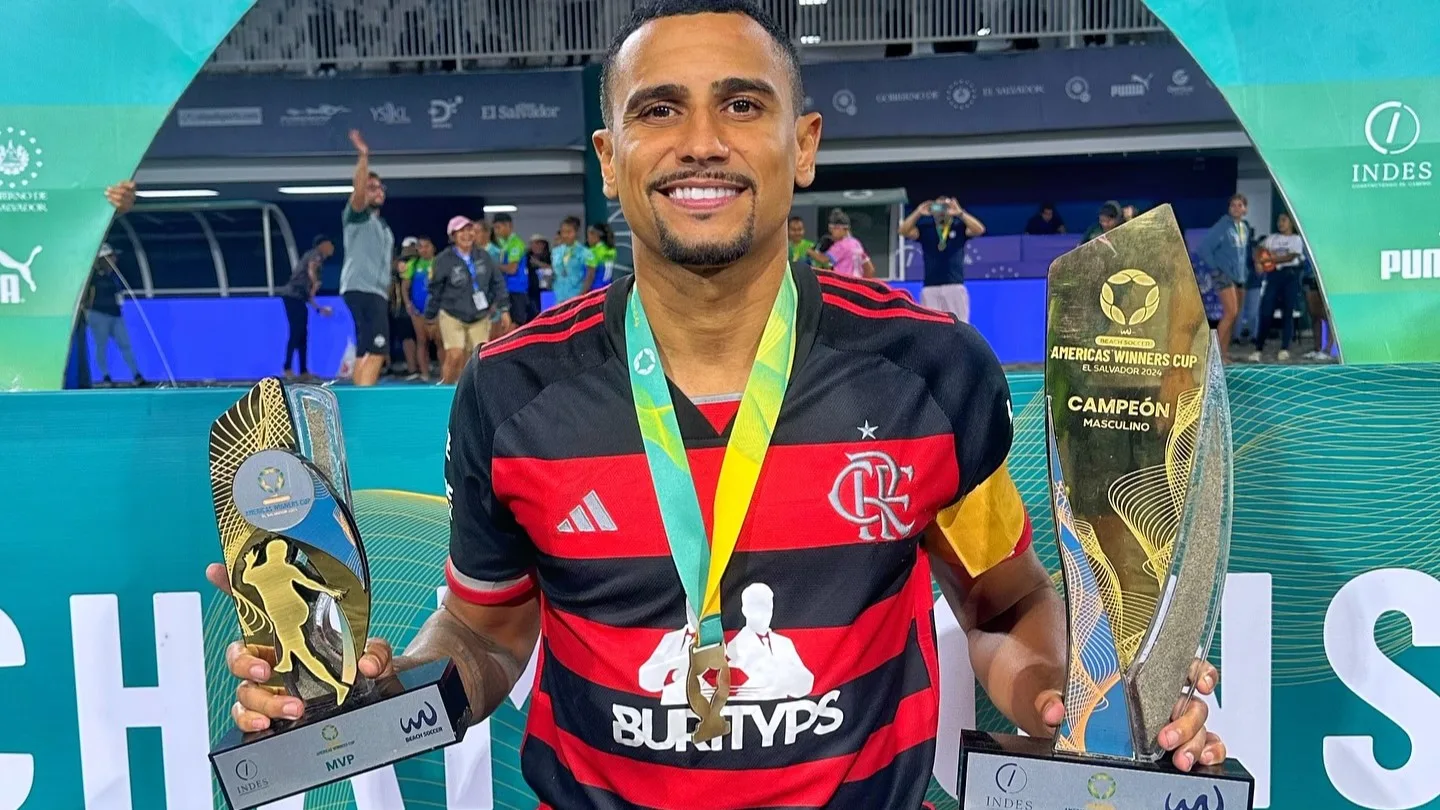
{"x": 1020, "y": 773}
{"x": 417, "y": 711}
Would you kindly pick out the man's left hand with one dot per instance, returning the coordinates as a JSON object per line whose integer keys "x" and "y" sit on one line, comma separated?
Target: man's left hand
{"x": 1185, "y": 737}
{"x": 121, "y": 195}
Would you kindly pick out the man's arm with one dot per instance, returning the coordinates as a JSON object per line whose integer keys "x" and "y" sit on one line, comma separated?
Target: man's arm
{"x": 435, "y": 287}
{"x": 973, "y": 226}
{"x": 361, "y": 179}
{"x": 867, "y": 266}
{"x": 490, "y": 646}
{"x": 907, "y": 225}
{"x": 1014, "y": 622}
{"x": 499, "y": 294}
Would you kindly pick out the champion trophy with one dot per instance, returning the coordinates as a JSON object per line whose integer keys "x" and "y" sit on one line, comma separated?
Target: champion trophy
{"x": 301, "y": 586}
{"x": 1138, "y": 439}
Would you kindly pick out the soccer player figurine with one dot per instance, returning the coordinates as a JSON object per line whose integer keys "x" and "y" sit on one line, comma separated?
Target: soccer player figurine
{"x": 723, "y": 469}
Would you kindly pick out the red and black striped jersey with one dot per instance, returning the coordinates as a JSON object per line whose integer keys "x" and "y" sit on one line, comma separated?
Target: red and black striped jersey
{"x": 897, "y": 418}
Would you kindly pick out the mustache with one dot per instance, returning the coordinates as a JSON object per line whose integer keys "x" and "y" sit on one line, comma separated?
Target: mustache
{"x": 703, "y": 174}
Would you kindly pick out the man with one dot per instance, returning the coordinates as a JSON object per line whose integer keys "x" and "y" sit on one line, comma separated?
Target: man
{"x": 1227, "y": 248}
{"x": 800, "y": 247}
{"x": 1109, "y": 218}
{"x": 553, "y": 490}
{"x": 510, "y": 247}
{"x": 102, "y": 313}
{"x": 297, "y": 294}
{"x": 414, "y": 285}
{"x": 942, "y": 227}
{"x": 365, "y": 276}
{"x": 573, "y": 263}
{"x": 465, "y": 291}
{"x": 1045, "y": 222}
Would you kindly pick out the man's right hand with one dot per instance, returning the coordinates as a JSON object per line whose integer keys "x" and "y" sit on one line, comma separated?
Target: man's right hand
{"x": 358, "y": 141}
{"x": 256, "y": 703}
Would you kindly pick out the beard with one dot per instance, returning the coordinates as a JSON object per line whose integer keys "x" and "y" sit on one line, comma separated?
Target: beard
{"x": 706, "y": 256}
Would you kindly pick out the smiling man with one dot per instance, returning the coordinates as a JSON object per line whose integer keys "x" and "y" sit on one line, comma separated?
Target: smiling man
{"x": 731, "y": 482}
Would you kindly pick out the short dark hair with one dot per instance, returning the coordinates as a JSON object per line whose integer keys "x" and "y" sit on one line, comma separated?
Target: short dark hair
{"x": 796, "y": 218}
{"x": 1110, "y": 209}
{"x": 319, "y": 240}
{"x": 1238, "y": 196}
{"x": 502, "y": 217}
{"x": 572, "y": 221}
{"x": 660, "y": 9}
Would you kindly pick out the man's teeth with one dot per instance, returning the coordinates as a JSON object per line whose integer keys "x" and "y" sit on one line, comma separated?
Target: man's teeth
{"x": 701, "y": 193}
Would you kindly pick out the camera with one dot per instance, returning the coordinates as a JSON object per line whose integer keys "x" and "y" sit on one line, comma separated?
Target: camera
{"x": 938, "y": 209}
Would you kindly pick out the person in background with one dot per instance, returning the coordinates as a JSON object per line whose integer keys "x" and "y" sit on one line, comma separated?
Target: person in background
{"x": 122, "y": 196}
{"x": 1227, "y": 248}
{"x": 847, "y": 255}
{"x": 600, "y": 238}
{"x": 102, "y": 313}
{"x": 365, "y": 277}
{"x": 409, "y": 248}
{"x": 942, "y": 227}
{"x": 1046, "y": 221}
{"x": 573, "y": 262}
{"x": 511, "y": 247}
{"x": 298, "y": 294}
{"x": 466, "y": 288}
{"x": 1110, "y": 216}
{"x": 414, "y": 287}
{"x": 1128, "y": 213}
{"x": 1319, "y": 315}
{"x": 1286, "y": 250}
{"x": 800, "y": 247}
{"x": 542, "y": 275}
{"x": 402, "y": 331}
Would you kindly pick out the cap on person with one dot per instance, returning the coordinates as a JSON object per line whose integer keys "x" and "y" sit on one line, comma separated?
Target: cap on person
{"x": 535, "y": 237}
{"x": 1110, "y": 209}
{"x": 106, "y": 251}
{"x": 457, "y": 223}
{"x": 410, "y": 241}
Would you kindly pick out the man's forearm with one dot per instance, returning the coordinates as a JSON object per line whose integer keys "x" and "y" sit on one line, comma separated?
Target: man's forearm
{"x": 1021, "y": 653}
{"x": 487, "y": 667}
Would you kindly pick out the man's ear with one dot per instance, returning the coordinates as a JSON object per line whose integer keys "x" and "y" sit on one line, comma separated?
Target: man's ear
{"x": 605, "y": 150}
{"x": 807, "y": 143}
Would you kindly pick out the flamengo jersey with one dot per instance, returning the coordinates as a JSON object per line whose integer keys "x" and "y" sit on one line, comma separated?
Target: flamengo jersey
{"x": 893, "y": 415}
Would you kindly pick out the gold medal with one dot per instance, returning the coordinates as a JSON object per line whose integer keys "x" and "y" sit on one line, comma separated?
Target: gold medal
{"x": 703, "y": 660}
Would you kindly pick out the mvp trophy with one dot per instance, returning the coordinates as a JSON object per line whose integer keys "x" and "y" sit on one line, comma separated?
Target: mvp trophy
{"x": 1138, "y": 436}
{"x": 301, "y": 586}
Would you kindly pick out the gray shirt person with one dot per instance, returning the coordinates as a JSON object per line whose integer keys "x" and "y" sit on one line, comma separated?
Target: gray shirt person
{"x": 369, "y": 244}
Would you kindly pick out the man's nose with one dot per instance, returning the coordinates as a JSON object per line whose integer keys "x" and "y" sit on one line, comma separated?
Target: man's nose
{"x": 702, "y": 140}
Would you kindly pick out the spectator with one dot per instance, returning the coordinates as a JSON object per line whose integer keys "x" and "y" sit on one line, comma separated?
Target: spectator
{"x": 1046, "y": 222}
{"x": 402, "y": 331}
{"x": 414, "y": 287}
{"x": 541, "y": 273}
{"x": 466, "y": 289}
{"x": 942, "y": 244}
{"x": 800, "y": 247}
{"x": 297, "y": 294}
{"x": 122, "y": 196}
{"x": 574, "y": 264}
{"x": 600, "y": 238}
{"x": 1285, "y": 250}
{"x": 1319, "y": 315}
{"x": 102, "y": 313}
{"x": 847, "y": 255}
{"x": 509, "y": 244}
{"x": 365, "y": 275}
{"x": 1227, "y": 249}
{"x": 1110, "y": 216}
{"x": 1128, "y": 213}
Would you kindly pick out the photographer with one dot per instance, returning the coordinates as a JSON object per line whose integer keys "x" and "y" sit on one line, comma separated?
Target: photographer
{"x": 942, "y": 239}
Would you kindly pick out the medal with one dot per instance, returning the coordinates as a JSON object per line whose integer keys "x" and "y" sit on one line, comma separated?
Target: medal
{"x": 701, "y": 560}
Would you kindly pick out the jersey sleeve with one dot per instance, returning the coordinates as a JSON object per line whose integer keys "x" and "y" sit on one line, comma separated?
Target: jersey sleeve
{"x": 986, "y": 524}
{"x": 491, "y": 559}
{"x": 514, "y": 249}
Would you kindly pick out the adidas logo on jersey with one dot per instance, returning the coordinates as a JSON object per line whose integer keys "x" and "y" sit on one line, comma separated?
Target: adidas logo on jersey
{"x": 587, "y": 517}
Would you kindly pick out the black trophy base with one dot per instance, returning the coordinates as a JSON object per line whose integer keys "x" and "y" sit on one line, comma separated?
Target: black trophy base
{"x": 1010, "y": 772}
{"x": 420, "y": 710}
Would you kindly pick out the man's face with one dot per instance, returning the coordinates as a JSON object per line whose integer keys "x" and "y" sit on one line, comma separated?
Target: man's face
{"x": 705, "y": 149}
{"x": 465, "y": 237}
{"x": 1047, "y": 214}
{"x": 504, "y": 229}
{"x": 481, "y": 233}
{"x": 427, "y": 249}
{"x": 567, "y": 233}
{"x": 797, "y": 230}
{"x": 327, "y": 248}
{"x": 374, "y": 192}
{"x": 1238, "y": 209}
{"x": 1108, "y": 222}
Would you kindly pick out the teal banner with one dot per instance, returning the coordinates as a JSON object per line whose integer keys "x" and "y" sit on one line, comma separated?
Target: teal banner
{"x": 1342, "y": 100}
{"x": 87, "y": 84}
{"x": 111, "y": 644}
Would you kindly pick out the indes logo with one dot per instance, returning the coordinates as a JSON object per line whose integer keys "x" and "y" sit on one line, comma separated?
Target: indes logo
{"x": 1409, "y": 265}
{"x": 1392, "y": 130}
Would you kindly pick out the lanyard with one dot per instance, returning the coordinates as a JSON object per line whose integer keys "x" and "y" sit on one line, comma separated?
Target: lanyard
{"x": 701, "y": 562}
{"x": 469, "y": 260}
{"x": 944, "y": 234}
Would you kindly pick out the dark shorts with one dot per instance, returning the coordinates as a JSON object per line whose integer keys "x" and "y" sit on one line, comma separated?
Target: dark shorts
{"x": 1225, "y": 282}
{"x": 401, "y": 328}
{"x": 371, "y": 314}
{"x": 1310, "y": 283}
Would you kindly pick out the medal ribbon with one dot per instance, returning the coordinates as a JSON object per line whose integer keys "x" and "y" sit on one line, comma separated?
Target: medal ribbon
{"x": 700, "y": 562}
{"x": 945, "y": 234}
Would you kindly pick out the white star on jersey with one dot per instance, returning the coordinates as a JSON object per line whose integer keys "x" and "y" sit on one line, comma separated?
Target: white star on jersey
{"x": 867, "y": 431}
